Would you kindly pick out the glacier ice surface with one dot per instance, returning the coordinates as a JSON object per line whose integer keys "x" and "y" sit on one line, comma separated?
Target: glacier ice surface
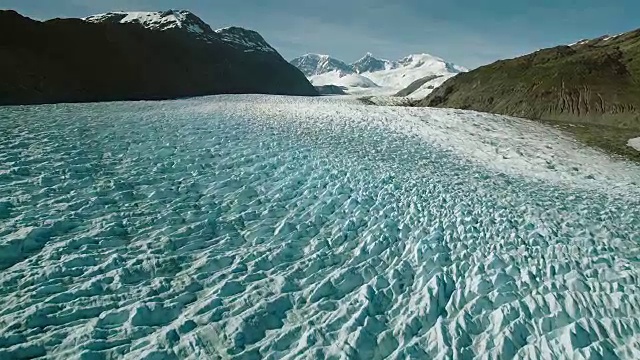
{"x": 280, "y": 228}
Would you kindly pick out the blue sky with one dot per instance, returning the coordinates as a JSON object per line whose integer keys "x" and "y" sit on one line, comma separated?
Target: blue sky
{"x": 466, "y": 32}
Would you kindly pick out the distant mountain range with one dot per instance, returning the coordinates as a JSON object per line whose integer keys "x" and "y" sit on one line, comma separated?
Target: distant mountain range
{"x": 136, "y": 55}
{"x": 370, "y": 75}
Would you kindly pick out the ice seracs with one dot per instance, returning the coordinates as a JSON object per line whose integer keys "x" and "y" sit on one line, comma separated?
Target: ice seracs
{"x": 373, "y": 76}
{"x": 274, "y": 227}
{"x": 247, "y": 40}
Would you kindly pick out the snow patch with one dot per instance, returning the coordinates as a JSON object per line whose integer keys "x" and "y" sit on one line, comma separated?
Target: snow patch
{"x": 340, "y": 79}
{"x": 160, "y": 20}
{"x": 580, "y": 42}
{"x": 612, "y": 37}
{"x": 602, "y": 38}
{"x": 634, "y": 143}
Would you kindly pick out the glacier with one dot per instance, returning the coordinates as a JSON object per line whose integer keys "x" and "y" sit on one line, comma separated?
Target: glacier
{"x": 249, "y": 226}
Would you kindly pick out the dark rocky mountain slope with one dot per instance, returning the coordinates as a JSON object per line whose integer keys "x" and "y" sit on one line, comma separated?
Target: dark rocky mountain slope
{"x": 331, "y": 90}
{"x": 592, "y": 82}
{"x": 416, "y": 85}
{"x": 76, "y": 60}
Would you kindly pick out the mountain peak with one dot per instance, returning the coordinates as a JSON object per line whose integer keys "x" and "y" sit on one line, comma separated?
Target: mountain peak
{"x": 243, "y": 39}
{"x": 246, "y": 38}
{"x": 316, "y": 64}
{"x": 158, "y": 20}
{"x": 368, "y": 63}
{"x": 314, "y": 56}
{"x": 419, "y": 57}
{"x": 423, "y": 59}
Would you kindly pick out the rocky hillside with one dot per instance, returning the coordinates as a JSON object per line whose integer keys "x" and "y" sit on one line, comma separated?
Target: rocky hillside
{"x": 593, "y": 81}
{"x": 331, "y": 90}
{"x": 133, "y": 56}
{"x": 414, "y": 86}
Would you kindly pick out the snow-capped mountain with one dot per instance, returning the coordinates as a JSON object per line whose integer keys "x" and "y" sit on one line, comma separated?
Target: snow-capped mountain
{"x": 247, "y": 40}
{"x": 244, "y": 38}
{"x": 430, "y": 62}
{"x": 368, "y": 63}
{"x": 315, "y": 64}
{"x": 160, "y": 20}
{"x": 136, "y": 56}
{"x": 372, "y": 76}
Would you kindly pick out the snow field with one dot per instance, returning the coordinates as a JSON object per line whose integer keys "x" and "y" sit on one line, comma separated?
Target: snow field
{"x": 634, "y": 143}
{"x": 354, "y": 82}
{"x": 276, "y": 227}
{"x": 396, "y": 76}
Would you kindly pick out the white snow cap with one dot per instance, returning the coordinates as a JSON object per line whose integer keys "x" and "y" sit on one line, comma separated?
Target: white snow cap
{"x": 248, "y": 40}
{"x": 159, "y": 20}
{"x": 243, "y": 37}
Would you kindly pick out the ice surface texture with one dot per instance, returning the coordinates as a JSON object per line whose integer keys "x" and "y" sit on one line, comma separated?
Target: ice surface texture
{"x": 274, "y": 227}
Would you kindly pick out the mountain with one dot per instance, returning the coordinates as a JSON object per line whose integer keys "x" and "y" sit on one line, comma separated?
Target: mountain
{"x": 368, "y": 63}
{"x": 592, "y": 81}
{"x": 372, "y": 76}
{"x": 315, "y": 64}
{"x": 349, "y": 81}
{"x": 135, "y": 56}
{"x": 162, "y": 21}
{"x": 248, "y": 40}
{"x": 416, "y": 85}
{"x": 331, "y": 90}
{"x": 411, "y": 68}
{"x": 182, "y": 20}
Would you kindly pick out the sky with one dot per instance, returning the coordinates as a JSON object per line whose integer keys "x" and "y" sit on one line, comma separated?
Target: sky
{"x": 470, "y": 33}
